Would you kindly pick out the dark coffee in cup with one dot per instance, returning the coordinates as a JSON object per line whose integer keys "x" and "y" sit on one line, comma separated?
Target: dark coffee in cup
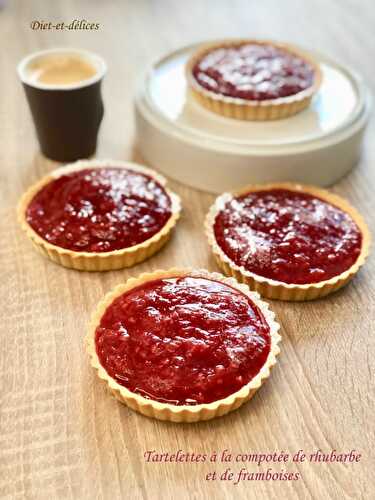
{"x": 63, "y": 89}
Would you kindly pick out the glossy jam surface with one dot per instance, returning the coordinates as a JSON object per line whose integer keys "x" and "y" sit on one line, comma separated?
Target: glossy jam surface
{"x": 183, "y": 341}
{"x": 99, "y": 209}
{"x": 287, "y": 236}
{"x": 253, "y": 72}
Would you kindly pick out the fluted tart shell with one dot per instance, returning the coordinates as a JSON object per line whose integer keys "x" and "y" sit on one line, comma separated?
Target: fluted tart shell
{"x": 98, "y": 261}
{"x": 183, "y": 413}
{"x": 246, "y": 109}
{"x": 279, "y": 290}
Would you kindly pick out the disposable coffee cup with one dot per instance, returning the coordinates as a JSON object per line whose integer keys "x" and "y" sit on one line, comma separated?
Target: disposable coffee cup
{"x": 63, "y": 89}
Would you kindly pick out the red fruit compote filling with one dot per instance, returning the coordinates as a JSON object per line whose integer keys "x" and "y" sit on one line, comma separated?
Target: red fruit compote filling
{"x": 183, "y": 341}
{"x": 253, "y": 72}
{"x": 99, "y": 209}
{"x": 287, "y": 236}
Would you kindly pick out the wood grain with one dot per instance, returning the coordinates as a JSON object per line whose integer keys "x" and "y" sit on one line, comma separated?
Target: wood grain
{"x": 61, "y": 434}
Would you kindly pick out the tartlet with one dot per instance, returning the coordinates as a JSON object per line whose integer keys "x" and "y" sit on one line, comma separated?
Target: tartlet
{"x": 287, "y": 241}
{"x": 253, "y": 79}
{"x": 99, "y": 215}
{"x": 183, "y": 345}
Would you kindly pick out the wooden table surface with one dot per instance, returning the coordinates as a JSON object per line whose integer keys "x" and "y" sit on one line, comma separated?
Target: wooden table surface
{"x": 61, "y": 434}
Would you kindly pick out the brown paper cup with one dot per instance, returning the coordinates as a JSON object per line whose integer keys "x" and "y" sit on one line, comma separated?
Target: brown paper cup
{"x": 66, "y": 116}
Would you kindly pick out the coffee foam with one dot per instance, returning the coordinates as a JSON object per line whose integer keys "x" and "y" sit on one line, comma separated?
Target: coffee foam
{"x": 60, "y": 69}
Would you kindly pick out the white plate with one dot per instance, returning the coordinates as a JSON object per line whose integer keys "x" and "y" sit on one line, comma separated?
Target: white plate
{"x": 214, "y": 153}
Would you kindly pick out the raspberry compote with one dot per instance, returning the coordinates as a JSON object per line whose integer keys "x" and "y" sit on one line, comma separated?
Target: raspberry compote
{"x": 183, "y": 340}
{"x": 99, "y": 209}
{"x": 253, "y": 71}
{"x": 287, "y": 236}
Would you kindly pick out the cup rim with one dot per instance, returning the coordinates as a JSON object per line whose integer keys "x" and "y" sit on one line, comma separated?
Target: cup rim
{"x": 99, "y": 63}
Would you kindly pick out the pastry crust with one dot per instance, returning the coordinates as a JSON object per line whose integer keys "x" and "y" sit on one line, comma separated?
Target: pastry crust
{"x": 99, "y": 261}
{"x": 183, "y": 413}
{"x": 252, "y": 110}
{"x": 278, "y": 290}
